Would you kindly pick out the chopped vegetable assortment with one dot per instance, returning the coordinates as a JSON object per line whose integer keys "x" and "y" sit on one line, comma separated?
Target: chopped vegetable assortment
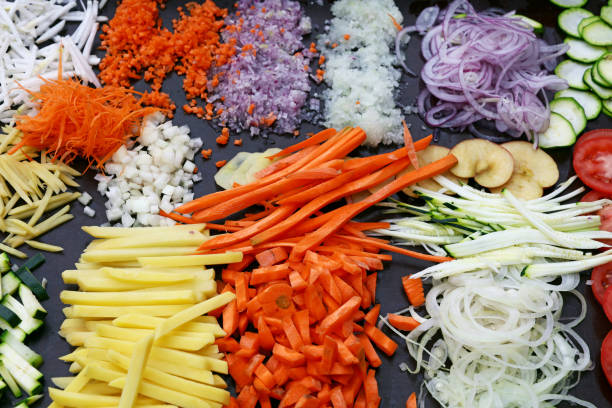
{"x": 266, "y": 83}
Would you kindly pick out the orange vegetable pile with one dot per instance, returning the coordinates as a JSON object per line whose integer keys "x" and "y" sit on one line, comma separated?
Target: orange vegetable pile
{"x": 297, "y": 331}
{"x": 137, "y": 46}
{"x": 75, "y": 120}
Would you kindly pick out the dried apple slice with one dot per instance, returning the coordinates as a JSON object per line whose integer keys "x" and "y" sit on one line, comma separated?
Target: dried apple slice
{"x": 534, "y": 170}
{"x": 488, "y": 163}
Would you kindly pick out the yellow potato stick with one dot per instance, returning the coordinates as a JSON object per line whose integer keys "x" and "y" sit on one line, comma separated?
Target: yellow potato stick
{"x": 13, "y": 251}
{"x": 91, "y": 283}
{"x": 101, "y": 389}
{"x": 193, "y": 312}
{"x": 127, "y": 298}
{"x": 77, "y": 338}
{"x": 135, "y": 370}
{"x": 62, "y": 382}
{"x": 26, "y": 210}
{"x": 44, "y": 247}
{"x": 164, "y": 394}
{"x": 151, "y": 322}
{"x": 76, "y": 384}
{"x": 149, "y": 276}
{"x": 156, "y": 376}
{"x": 219, "y": 381}
{"x": 117, "y": 232}
{"x": 131, "y": 254}
{"x": 195, "y": 374}
{"x": 174, "y": 340}
{"x": 175, "y": 238}
{"x": 162, "y": 260}
{"x": 99, "y": 312}
{"x": 102, "y": 371}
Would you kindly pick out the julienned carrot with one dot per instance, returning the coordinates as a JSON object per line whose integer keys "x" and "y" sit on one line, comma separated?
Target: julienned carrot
{"x": 391, "y": 248}
{"x": 273, "y": 218}
{"x": 409, "y": 146}
{"x": 313, "y": 140}
{"x": 321, "y": 201}
{"x": 284, "y": 162}
{"x": 425, "y": 172}
{"x": 405, "y": 323}
{"x": 392, "y": 156}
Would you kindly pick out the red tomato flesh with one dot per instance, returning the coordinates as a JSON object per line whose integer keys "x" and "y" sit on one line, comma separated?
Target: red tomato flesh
{"x": 593, "y": 161}
{"x": 606, "y": 356}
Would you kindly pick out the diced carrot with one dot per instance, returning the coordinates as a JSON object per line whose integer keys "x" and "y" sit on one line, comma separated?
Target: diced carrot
{"x": 269, "y": 274}
{"x": 329, "y": 354}
{"x": 370, "y": 352}
{"x": 247, "y": 397}
{"x": 237, "y": 369}
{"x": 313, "y": 352}
{"x": 233, "y": 403}
{"x": 220, "y": 164}
{"x": 265, "y": 376}
{"x": 266, "y": 339}
{"x": 325, "y": 394}
{"x": 350, "y": 391}
{"x": 308, "y": 401}
{"x": 411, "y": 402}
{"x": 406, "y": 323}
{"x": 288, "y": 356}
{"x": 414, "y": 290}
{"x": 271, "y": 256}
{"x": 227, "y": 344}
{"x": 294, "y": 392}
{"x": 302, "y": 323}
{"x": 372, "y": 316}
{"x": 379, "y": 338}
{"x": 340, "y": 315}
{"x": 337, "y": 399}
{"x": 264, "y": 400}
{"x": 314, "y": 303}
{"x": 281, "y": 375}
{"x": 253, "y": 363}
{"x": 249, "y": 340}
{"x": 296, "y": 280}
{"x": 241, "y": 292}
{"x": 345, "y": 356}
{"x": 243, "y": 321}
{"x": 298, "y": 373}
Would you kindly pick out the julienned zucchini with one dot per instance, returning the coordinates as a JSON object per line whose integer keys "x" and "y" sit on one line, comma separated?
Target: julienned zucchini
{"x": 5, "y": 263}
{"x": 10, "y": 283}
{"x": 9, "y": 380}
{"x": 9, "y": 316}
{"x": 28, "y": 324}
{"x": 24, "y": 274}
{"x": 30, "y": 303}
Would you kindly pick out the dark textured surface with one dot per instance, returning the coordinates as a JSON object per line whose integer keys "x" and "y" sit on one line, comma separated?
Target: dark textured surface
{"x": 395, "y": 386}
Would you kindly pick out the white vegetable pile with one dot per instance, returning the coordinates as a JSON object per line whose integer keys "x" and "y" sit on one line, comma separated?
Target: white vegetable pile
{"x": 25, "y": 27}
{"x": 361, "y": 72}
{"x": 498, "y": 306}
{"x": 155, "y": 173}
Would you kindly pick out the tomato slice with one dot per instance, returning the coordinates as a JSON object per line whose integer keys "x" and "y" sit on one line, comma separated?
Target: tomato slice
{"x": 605, "y": 214}
{"x": 606, "y": 356}
{"x": 593, "y": 134}
{"x": 601, "y": 279}
{"x": 607, "y": 303}
{"x": 593, "y": 163}
{"x": 593, "y": 195}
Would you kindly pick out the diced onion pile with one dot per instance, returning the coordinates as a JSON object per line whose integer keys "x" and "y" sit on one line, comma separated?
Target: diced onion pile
{"x": 155, "y": 173}
{"x": 487, "y": 66}
{"x": 29, "y": 24}
{"x": 360, "y": 71}
{"x": 266, "y": 83}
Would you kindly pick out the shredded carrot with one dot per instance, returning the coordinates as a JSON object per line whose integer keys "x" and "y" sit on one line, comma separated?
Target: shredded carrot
{"x": 220, "y": 163}
{"x": 397, "y": 25}
{"x": 409, "y": 145}
{"x": 74, "y": 120}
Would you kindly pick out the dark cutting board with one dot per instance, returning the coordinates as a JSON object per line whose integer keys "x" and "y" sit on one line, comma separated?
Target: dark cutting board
{"x": 395, "y": 386}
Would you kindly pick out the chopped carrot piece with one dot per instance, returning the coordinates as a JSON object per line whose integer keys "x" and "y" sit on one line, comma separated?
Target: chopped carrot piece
{"x": 347, "y": 37}
{"x": 411, "y": 402}
{"x": 238, "y": 142}
{"x": 288, "y": 356}
{"x": 247, "y": 397}
{"x": 337, "y": 399}
{"x": 251, "y": 109}
{"x": 371, "y": 390}
{"x": 292, "y": 334}
{"x": 370, "y": 352}
{"x": 206, "y": 154}
{"x": 271, "y": 256}
{"x": 230, "y": 318}
{"x": 372, "y": 316}
{"x": 379, "y": 338}
{"x": 340, "y": 315}
{"x": 406, "y": 323}
{"x": 220, "y": 163}
{"x": 414, "y": 290}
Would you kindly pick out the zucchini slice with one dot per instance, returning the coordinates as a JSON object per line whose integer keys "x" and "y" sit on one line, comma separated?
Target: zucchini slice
{"x": 604, "y": 68}
{"x": 598, "y": 33}
{"x": 570, "y": 110}
{"x": 591, "y": 104}
{"x": 607, "y": 107}
{"x": 569, "y": 3}
{"x": 560, "y": 133}
{"x": 573, "y": 73}
{"x": 585, "y": 22}
{"x": 606, "y": 14}
{"x": 583, "y": 52}
{"x": 603, "y": 93}
{"x": 569, "y": 19}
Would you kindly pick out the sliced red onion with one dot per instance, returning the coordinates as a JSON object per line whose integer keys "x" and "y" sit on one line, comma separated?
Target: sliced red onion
{"x": 427, "y": 18}
{"x": 398, "y": 46}
{"x": 486, "y": 65}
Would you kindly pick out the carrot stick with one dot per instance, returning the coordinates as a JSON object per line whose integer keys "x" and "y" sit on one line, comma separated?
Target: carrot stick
{"x": 379, "y": 338}
{"x": 177, "y": 217}
{"x": 340, "y": 315}
{"x": 271, "y": 256}
{"x": 321, "y": 201}
{"x": 414, "y": 290}
{"x": 405, "y": 323}
{"x": 371, "y": 390}
{"x": 394, "y": 155}
{"x": 372, "y": 316}
{"x": 273, "y": 218}
{"x": 311, "y": 141}
{"x": 292, "y": 334}
{"x": 283, "y": 163}
{"x": 288, "y": 356}
{"x": 337, "y": 399}
{"x": 391, "y": 248}
{"x": 315, "y": 238}
{"x": 369, "y": 350}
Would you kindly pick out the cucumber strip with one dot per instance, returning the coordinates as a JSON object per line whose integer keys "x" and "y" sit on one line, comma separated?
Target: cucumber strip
{"x": 590, "y": 103}
{"x": 9, "y": 316}
{"x": 569, "y": 19}
{"x": 598, "y": 33}
{"x": 24, "y": 274}
{"x": 570, "y": 110}
{"x": 573, "y": 73}
{"x": 34, "y": 262}
{"x": 10, "y": 283}
{"x": 24, "y": 374}
{"x": 606, "y": 14}
{"x": 604, "y": 68}
{"x": 603, "y": 93}
{"x": 28, "y": 323}
{"x": 24, "y": 351}
{"x": 30, "y": 303}
{"x": 9, "y": 380}
{"x": 585, "y": 22}
{"x": 583, "y": 52}
{"x": 560, "y": 133}
{"x": 5, "y": 263}
{"x": 569, "y": 3}
{"x": 15, "y": 332}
